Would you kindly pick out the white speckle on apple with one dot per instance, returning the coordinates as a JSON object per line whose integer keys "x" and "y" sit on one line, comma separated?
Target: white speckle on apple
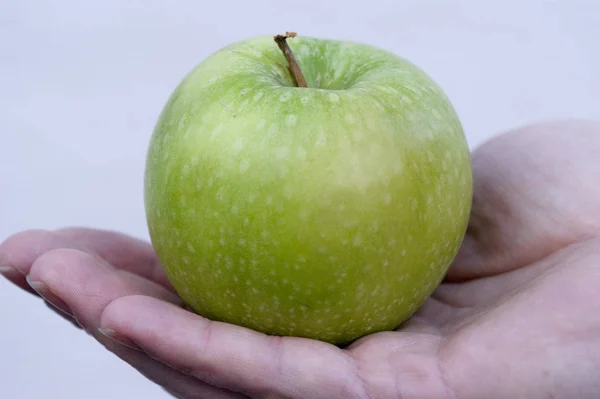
{"x": 301, "y": 153}
{"x": 283, "y": 171}
{"x": 260, "y": 124}
{"x": 220, "y": 196}
{"x": 285, "y": 97}
{"x": 304, "y": 214}
{"x": 398, "y": 167}
{"x": 251, "y": 198}
{"x": 185, "y": 170}
{"x": 244, "y": 165}
{"x": 414, "y": 204}
{"x": 269, "y": 200}
{"x": 238, "y": 145}
{"x": 387, "y": 199}
{"x": 288, "y": 191}
{"x": 321, "y": 138}
{"x": 334, "y": 98}
{"x": 282, "y": 152}
{"x": 291, "y": 120}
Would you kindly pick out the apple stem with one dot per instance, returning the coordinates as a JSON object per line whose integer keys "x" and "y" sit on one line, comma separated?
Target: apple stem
{"x": 289, "y": 56}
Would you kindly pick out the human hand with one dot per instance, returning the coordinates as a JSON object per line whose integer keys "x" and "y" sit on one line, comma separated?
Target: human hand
{"x": 517, "y": 316}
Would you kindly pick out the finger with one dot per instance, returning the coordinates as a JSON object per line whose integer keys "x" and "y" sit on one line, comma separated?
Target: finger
{"x": 470, "y": 296}
{"x": 233, "y": 357}
{"x": 535, "y": 192}
{"x": 176, "y": 383}
{"x": 84, "y": 284}
{"x": 16, "y": 277}
{"x": 20, "y": 251}
{"x": 120, "y": 250}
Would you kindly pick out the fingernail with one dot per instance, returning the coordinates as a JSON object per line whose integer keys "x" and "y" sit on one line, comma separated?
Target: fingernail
{"x": 43, "y": 291}
{"x": 118, "y": 338}
{"x": 9, "y": 272}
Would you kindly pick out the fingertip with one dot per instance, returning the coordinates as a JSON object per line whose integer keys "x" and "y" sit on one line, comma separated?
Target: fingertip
{"x": 117, "y": 338}
{"x": 44, "y": 291}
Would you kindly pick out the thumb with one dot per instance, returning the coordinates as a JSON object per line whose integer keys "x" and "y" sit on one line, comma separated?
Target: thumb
{"x": 535, "y": 191}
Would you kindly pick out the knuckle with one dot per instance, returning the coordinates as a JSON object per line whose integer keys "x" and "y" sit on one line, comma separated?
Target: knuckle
{"x": 55, "y": 261}
{"x": 26, "y": 237}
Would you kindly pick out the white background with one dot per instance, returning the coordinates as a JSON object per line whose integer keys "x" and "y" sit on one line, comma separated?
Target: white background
{"x": 82, "y": 83}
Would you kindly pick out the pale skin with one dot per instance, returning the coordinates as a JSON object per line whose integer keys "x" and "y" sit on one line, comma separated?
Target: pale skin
{"x": 517, "y": 317}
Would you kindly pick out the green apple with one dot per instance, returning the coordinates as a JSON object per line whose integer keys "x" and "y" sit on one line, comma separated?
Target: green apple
{"x": 330, "y": 211}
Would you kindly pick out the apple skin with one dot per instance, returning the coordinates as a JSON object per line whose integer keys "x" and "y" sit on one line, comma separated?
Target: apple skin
{"x": 328, "y": 212}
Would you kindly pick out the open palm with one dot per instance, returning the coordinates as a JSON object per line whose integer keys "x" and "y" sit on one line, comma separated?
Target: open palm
{"x": 517, "y": 316}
